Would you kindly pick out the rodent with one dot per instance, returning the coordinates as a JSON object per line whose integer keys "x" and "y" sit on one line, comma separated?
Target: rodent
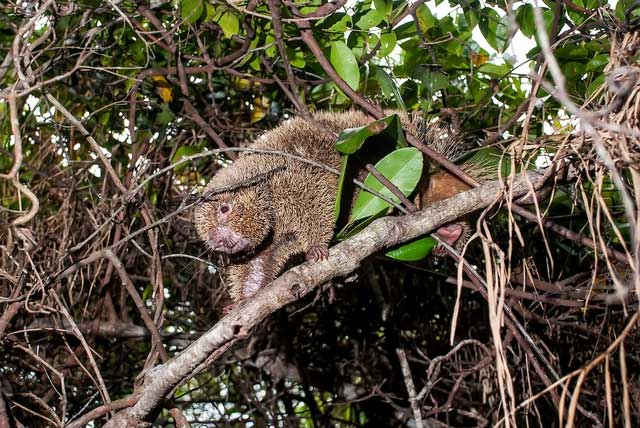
{"x": 291, "y": 211}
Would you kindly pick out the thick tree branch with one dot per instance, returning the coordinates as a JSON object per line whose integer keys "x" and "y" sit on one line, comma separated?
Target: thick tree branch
{"x": 343, "y": 259}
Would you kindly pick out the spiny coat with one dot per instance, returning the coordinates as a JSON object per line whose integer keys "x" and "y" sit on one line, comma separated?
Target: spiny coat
{"x": 291, "y": 210}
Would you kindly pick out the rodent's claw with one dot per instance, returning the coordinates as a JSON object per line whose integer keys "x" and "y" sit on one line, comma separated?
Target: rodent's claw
{"x": 227, "y": 309}
{"x": 317, "y": 253}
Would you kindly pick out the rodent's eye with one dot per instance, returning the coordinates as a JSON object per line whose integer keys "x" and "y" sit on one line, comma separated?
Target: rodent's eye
{"x": 224, "y": 208}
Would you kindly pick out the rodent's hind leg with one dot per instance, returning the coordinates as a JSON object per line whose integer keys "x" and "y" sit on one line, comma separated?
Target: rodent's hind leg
{"x": 259, "y": 273}
{"x": 317, "y": 252}
{"x": 454, "y": 235}
{"x": 245, "y": 278}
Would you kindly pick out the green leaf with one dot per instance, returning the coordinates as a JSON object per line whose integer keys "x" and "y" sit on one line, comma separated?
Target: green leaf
{"x": 147, "y": 292}
{"x": 103, "y": 117}
{"x": 525, "y": 20}
{"x": 406, "y": 30}
{"x": 270, "y": 41}
{"x": 370, "y": 19}
{"x": 426, "y": 20}
{"x": 403, "y": 168}
{"x": 389, "y": 87}
{"x": 595, "y": 85}
{"x": 433, "y": 81}
{"x": 337, "y": 22}
{"x": 387, "y": 44}
{"x": 471, "y": 19}
{"x": 296, "y": 58}
{"x": 212, "y": 14}
{"x": 190, "y": 10}
{"x": 345, "y": 63}
{"x": 230, "y": 24}
{"x": 343, "y": 170}
{"x": 597, "y": 62}
{"x": 494, "y": 29}
{"x": 573, "y": 52}
{"x": 384, "y": 6}
{"x": 413, "y": 251}
{"x": 165, "y": 116}
{"x": 182, "y": 152}
{"x": 350, "y": 140}
{"x": 548, "y": 15}
{"x": 573, "y": 69}
{"x": 495, "y": 70}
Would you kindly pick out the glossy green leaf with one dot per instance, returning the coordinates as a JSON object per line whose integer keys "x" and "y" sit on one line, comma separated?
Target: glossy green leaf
{"x": 343, "y": 169}
{"x": 433, "y": 81}
{"x": 345, "y": 63}
{"x": 270, "y": 43}
{"x": 182, "y": 152}
{"x": 597, "y": 63}
{"x": 525, "y": 20}
{"x": 165, "y": 116}
{"x": 426, "y": 20}
{"x": 230, "y": 24}
{"x": 350, "y": 140}
{"x": 296, "y": 58}
{"x": 413, "y": 251}
{"x": 389, "y": 87}
{"x": 471, "y": 19}
{"x": 191, "y": 10}
{"x": 403, "y": 168}
{"x": 147, "y": 292}
{"x": 372, "y": 40}
{"x": 387, "y": 44}
{"x": 494, "y": 28}
{"x": 337, "y": 22}
{"x": 406, "y": 30}
{"x": 573, "y": 69}
{"x": 494, "y": 70}
{"x": 356, "y": 42}
{"x": 548, "y": 15}
{"x": 596, "y": 84}
{"x": 211, "y": 13}
{"x": 573, "y": 52}
{"x": 384, "y": 6}
{"x": 370, "y": 19}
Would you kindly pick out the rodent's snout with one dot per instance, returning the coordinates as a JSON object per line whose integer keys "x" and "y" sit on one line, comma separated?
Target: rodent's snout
{"x": 226, "y": 240}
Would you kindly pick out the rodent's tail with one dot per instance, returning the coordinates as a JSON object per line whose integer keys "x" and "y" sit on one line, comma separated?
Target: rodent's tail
{"x": 444, "y": 135}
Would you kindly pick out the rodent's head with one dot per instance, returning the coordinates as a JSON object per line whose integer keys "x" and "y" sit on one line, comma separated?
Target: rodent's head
{"x": 236, "y": 221}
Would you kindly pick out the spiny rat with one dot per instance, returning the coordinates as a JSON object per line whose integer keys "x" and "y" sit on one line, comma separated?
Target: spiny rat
{"x": 261, "y": 226}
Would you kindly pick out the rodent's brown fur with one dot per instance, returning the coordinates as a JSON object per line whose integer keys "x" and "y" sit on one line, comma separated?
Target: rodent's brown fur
{"x": 291, "y": 211}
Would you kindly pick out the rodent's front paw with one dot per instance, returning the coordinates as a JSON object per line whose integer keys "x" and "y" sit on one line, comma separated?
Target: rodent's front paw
{"x": 317, "y": 253}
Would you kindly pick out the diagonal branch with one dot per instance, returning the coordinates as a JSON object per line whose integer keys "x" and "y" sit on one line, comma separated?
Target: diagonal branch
{"x": 344, "y": 258}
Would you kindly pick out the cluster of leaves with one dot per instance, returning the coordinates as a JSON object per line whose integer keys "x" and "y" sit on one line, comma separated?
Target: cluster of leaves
{"x": 403, "y": 167}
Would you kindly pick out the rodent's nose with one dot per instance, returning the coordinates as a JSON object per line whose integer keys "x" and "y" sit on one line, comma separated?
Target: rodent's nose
{"x": 216, "y": 238}
{"x": 226, "y": 240}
